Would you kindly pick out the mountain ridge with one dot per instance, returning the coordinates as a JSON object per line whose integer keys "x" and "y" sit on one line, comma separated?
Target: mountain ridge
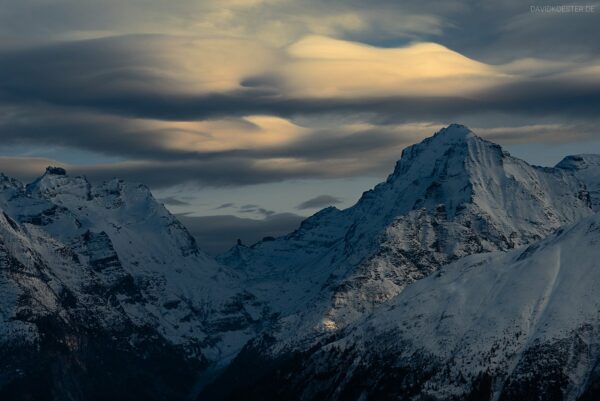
{"x": 101, "y": 274}
{"x": 517, "y": 325}
{"x": 451, "y": 185}
{"x": 120, "y": 267}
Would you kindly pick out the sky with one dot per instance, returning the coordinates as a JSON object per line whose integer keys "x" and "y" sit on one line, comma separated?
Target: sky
{"x": 244, "y": 116}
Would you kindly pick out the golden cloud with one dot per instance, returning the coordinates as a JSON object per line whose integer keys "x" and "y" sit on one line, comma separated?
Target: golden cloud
{"x": 251, "y": 132}
{"x": 326, "y": 67}
{"x": 319, "y": 66}
{"x": 323, "y": 67}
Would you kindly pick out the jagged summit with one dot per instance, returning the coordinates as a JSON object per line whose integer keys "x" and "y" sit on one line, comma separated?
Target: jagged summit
{"x": 62, "y": 188}
{"x": 453, "y": 142}
{"x": 51, "y": 170}
{"x": 441, "y": 169}
{"x": 455, "y": 131}
{"x": 55, "y": 182}
{"x": 456, "y": 168}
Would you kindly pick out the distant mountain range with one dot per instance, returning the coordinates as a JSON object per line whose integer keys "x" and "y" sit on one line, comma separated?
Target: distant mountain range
{"x": 467, "y": 275}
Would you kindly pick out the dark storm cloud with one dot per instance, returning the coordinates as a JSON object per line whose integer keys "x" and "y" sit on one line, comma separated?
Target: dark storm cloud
{"x": 216, "y": 234}
{"x": 121, "y": 137}
{"x": 95, "y": 132}
{"x": 118, "y": 136}
{"x": 510, "y": 29}
{"x": 327, "y": 153}
{"x": 571, "y": 97}
{"x": 161, "y": 166}
{"x": 319, "y": 202}
{"x": 330, "y": 144}
{"x": 70, "y": 72}
{"x": 216, "y": 173}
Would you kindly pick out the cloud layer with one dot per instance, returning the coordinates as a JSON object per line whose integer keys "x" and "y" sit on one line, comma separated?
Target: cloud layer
{"x": 241, "y": 92}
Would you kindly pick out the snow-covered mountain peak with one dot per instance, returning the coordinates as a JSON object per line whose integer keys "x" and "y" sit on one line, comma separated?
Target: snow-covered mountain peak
{"x": 580, "y": 162}
{"x": 108, "y": 258}
{"x": 439, "y": 170}
{"x": 456, "y": 168}
{"x": 115, "y": 239}
{"x": 586, "y": 168}
{"x": 451, "y": 195}
{"x": 455, "y": 132}
{"x": 56, "y": 183}
{"x": 63, "y": 189}
{"x": 51, "y": 170}
{"x": 443, "y": 155}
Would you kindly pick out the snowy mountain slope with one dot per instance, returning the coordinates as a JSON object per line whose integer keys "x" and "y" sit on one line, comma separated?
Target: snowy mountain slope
{"x": 587, "y": 169}
{"x": 21, "y": 263}
{"x": 152, "y": 246}
{"x": 107, "y": 296}
{"x": 452, "y": 195}
{"x": 520, "y": 325}
{"x": 130, "y": 270}
{"x": 63, "y": 336}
